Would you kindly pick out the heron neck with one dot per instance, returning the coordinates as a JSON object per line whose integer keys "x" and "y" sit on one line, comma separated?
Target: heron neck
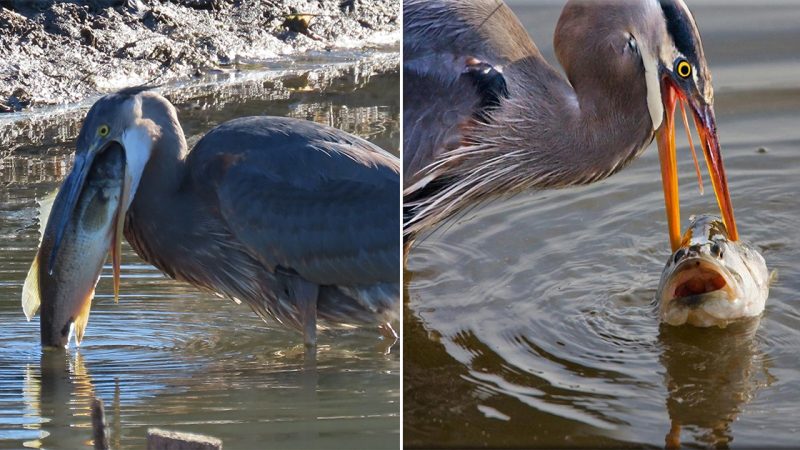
{"x": 561, "y": 134}
{"x": 165, "y": 170}
{"x": 157, "y": 201}
{"x": 159, "y": 208}
{"x": 547, "y": 133}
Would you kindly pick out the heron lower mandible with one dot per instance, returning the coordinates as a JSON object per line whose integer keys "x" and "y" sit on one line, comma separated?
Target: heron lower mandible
{"x": 296, "y": 219}
{"x": 485, "y": 114}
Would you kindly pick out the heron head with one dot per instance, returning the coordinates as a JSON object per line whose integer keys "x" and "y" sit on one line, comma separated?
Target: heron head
{"x": 677, "y": 74}
{"x": 115, "y": 119}
{"x": 655, "y": 44}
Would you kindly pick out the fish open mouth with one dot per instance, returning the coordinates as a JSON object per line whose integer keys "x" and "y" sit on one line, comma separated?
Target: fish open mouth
{"x": 698, "y": 279}
{"x": 700, "y": 292}
{"x": 701, "y": 282}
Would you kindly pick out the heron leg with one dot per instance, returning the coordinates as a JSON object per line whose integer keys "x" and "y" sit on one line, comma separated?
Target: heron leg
{"x": 390, "y": 337}
{"x": 388, "y": 332}
{"x": 306, "y": 294}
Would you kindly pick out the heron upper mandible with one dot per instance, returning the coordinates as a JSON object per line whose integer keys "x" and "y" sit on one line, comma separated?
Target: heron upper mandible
{"x": 485, "y": 114}
{"x": 296, "y": 219}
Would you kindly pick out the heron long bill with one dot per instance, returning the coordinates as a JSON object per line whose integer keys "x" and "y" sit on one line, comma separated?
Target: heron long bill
{"x": 703, "y": 115}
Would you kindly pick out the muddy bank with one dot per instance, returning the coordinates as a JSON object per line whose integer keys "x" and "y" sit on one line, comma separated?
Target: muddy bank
{"x": 58, "y": 52}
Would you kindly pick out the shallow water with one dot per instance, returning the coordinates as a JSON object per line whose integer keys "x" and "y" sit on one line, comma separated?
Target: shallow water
{"x": 168, "y": 355}
{"x": 531, "y": 322}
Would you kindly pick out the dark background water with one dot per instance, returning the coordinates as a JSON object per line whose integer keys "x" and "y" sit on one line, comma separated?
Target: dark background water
{"x": 168, "y": 355}
{"x": 530, "y": 322}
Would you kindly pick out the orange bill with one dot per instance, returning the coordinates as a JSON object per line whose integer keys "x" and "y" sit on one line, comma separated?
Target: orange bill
{"x": 669, "y": 166}
{"x": 691, "y": 146}
{"x": 707, "y": 130}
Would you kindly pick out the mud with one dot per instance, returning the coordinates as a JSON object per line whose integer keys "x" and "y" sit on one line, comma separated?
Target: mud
{"x": 62, "y": 52}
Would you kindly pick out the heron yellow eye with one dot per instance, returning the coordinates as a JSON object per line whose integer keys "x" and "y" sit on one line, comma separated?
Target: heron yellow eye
{"x": 684, "y": 69}
{"x": 103, "y": 130}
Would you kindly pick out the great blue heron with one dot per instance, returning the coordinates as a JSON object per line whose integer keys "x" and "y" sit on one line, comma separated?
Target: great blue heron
{"x": 296, "y": 219}
{"x": 485, "y": 114}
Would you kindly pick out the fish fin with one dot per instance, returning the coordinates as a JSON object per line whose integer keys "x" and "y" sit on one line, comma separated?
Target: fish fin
{"x": 31, "y": 298}
{"x": 45, "y": 205}
{"x": 82, "y": 318}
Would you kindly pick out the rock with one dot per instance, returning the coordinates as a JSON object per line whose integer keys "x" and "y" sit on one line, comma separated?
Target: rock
{"x": 19, "y": 99}
{"x": 88, "y": 37}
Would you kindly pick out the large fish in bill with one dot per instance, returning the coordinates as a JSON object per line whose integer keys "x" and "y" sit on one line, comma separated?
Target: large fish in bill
{"x": 60, "y": 284}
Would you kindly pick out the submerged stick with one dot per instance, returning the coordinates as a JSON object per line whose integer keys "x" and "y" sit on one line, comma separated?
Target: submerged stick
{"x": 99, "y": 434}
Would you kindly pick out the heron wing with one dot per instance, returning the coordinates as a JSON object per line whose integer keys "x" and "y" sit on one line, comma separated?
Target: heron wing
{"x": 305, "y": 198}
{"x": 439, "y": 101}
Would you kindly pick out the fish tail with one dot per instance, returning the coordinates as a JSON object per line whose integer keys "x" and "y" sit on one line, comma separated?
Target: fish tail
{"x": 82, "y": 318}
{"x": 31, "y": 297}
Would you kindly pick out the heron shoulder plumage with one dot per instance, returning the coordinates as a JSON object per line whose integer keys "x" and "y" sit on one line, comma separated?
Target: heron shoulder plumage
{"x": 304, "y": 197}
{"x": 439, "y": 100}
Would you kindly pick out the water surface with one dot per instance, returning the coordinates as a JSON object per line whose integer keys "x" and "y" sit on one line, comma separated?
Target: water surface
{"x": 168, "y": 355}
{"x": 530, "y": 321}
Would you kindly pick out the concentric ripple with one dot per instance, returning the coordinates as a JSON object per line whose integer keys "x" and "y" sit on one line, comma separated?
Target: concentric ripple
{"x": 545, "y": 301}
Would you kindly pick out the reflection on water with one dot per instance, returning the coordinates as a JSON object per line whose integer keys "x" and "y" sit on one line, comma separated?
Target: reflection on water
{"x": 530, "y": 320}
{"x": 168, "y": 355}
{"x": 711, "y": 375}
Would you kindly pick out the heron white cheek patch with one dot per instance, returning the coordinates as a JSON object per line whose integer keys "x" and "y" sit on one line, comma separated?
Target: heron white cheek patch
{"x": 138, "y": 145}
{"x": 654, "y": 103}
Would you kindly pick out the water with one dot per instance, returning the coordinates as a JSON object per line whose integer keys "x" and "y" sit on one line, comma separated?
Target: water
{"x": 530, "y": 321}
{"x": 168, "y": 355}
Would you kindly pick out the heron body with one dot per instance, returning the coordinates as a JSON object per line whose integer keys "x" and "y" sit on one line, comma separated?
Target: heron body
{"x": 467, "y": 138}
{"x": 295, "y": 219}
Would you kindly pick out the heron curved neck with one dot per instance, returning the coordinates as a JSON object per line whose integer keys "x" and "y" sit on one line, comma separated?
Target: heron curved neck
{"x": 165, "y": 170}
{"x": 560, "y": 134}
{"x": 157, "y": 202}
{"x": 158, "y": 208}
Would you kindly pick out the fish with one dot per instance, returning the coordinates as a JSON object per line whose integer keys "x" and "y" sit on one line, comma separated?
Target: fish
{"x": 711, "y": 280}
{"x": 64, "y": 293}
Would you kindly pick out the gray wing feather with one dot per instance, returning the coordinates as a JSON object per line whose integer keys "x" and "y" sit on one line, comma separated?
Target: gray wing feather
{"x": 438, "y": 37}
{"x": 438, "y": 34}
{"x": 305, "y": 198}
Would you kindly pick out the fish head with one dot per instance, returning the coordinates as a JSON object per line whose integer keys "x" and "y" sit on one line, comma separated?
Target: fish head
{"x": 115, "y": 119}
{"x": 114, "y": 147}
{"x": 711, "y": 280}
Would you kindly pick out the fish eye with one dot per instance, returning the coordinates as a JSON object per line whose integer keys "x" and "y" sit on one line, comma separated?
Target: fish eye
{"x": 716, "y": 250}
{"x": 679, "y": 255}
{"x": 103, "y": 130}
{"x": 683, "y": 68}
